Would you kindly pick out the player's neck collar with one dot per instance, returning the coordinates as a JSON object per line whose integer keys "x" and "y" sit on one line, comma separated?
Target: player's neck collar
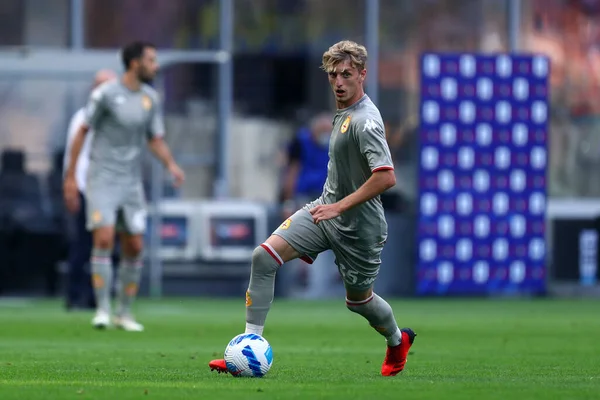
{"x": 363, "y": 98}
{"x": 125, "y": 85}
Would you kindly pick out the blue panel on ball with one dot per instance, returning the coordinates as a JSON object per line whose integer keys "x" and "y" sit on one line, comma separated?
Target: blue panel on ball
{"x": 248, "y": 336}
{"x": 253, "y": 362}
{"x": 269, "y": 355}
{"x": 232, "y": 367}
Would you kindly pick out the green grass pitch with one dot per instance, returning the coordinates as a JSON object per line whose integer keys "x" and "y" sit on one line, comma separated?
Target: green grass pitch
{"x": 465, "y": 349}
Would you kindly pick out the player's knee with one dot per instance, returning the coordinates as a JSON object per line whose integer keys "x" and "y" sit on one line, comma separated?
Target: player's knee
{"x": 103, "y": 242}
{"x": 263, "y": 262}
{"x": 103, "y": 238}
{"x": 135, "y": 248}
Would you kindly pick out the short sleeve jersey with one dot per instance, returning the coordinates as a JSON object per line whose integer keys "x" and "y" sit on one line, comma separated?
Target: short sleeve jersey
{"x": 122, "y": 120}
{"x": 358, "y": 147}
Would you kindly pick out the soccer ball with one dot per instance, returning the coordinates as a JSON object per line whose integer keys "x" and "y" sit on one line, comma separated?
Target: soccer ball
{"x": 249, "y": 355}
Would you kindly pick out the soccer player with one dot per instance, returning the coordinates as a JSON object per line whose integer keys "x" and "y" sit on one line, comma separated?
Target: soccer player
{"x": 124, "y": 114}
{"x": 348, "y": 217}
{"x": 79, "y": 289}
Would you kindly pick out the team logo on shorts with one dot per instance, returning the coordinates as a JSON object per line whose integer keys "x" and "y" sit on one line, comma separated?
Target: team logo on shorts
{"x": 286, "y": 224}
{"x": 248, "y": 299}
{"x": 345, "y": 125}
{"x": 146, "y": 103}
{"x": 96, "y": 217}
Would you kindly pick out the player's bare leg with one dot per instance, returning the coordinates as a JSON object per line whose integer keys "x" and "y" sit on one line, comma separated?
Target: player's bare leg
{"x": 129, "y": 275}
{"x": 102, "y": 274}
{"x": 381, "y": 317}
{"x": 266, "y": 259}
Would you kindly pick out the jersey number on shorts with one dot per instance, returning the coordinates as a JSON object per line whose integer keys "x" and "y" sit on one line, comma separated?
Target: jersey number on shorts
{"x": 349, "y": 275}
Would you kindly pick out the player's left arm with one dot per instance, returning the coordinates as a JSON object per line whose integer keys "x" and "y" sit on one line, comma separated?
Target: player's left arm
{"x": 379, "y": 182}
{"x": 370, "y": 138}
{"x": 158, "y": 146}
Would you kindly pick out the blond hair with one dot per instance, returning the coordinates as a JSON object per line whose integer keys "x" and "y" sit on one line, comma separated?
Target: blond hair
{"x": 345, "y": 50}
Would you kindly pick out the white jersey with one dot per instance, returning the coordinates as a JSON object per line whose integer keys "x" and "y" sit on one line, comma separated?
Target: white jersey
{"x": 83, "y": 161}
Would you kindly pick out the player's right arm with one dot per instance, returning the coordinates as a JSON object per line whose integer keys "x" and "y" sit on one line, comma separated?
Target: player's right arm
{"x": 93, "y": 111}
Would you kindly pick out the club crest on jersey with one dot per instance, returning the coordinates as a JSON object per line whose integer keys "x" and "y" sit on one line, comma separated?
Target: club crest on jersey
{"x": 146, "y": 102}
{"x": 345, "y": 125}
{"x": 286, "y": 224}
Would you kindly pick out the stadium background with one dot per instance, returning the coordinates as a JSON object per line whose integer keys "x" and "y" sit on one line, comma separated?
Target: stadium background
{"x": 239, "y": 78}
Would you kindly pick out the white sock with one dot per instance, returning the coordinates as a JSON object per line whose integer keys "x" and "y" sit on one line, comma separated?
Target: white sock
{"x": 395, "y": 339}
{"x": 256, "y": 329}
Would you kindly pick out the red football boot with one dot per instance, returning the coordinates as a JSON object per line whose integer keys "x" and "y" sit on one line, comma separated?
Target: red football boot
{"x": 395, "y": 357}
{"x": 218, "y": 365}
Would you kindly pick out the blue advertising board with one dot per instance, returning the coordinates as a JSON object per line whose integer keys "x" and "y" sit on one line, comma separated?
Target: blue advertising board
{"x": 482, "y": 174}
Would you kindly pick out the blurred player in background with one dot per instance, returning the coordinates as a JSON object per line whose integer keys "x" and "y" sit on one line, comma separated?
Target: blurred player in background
{"x": 347, "y": 218}
{"x": 124, "y": 115}
{"x": 80, "y": 293}
{"x": 308, "y": 155}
